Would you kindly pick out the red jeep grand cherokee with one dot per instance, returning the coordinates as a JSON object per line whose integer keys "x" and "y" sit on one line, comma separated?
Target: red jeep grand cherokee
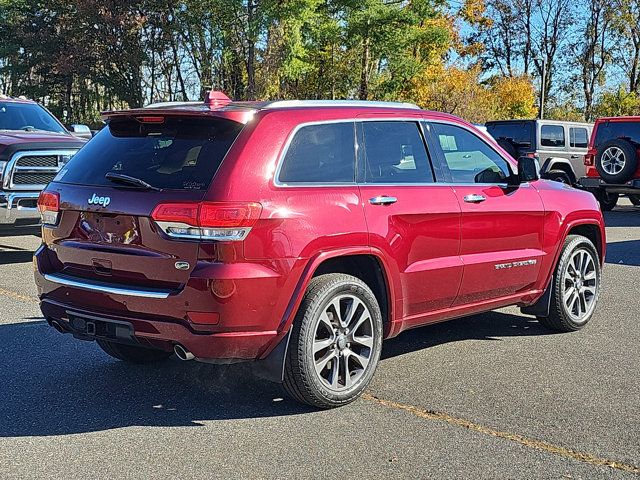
{"x": 299, "y": 234}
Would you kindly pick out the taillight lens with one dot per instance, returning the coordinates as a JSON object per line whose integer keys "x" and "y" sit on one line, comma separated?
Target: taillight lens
{"x": 49, "y": 207}
{"x": 229, "y": 221}
{"x": 589, "y": 159}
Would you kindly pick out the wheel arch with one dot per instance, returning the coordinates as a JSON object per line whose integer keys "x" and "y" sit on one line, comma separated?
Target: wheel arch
{"x": 555, "y": 163}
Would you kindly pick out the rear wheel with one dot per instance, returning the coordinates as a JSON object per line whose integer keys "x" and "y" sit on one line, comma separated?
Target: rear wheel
{"x": 558, "y": 176}
{"x": 132, "y": 353}
{"x": 575, "y": 286}
{"x": 607, "y": 200}
{"x": 635, "y": 199}
{"x": 335, "y": 342}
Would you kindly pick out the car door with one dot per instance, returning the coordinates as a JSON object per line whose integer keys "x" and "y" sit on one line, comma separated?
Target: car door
{"x": 501, "y": 225}
{"x": 412, "y": 219}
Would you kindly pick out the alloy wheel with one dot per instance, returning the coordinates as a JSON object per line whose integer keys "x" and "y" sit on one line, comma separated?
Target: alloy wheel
{"x": 580, "y": 285}
{"x": 343, "y": 342}
{"x": 613, "y": 160}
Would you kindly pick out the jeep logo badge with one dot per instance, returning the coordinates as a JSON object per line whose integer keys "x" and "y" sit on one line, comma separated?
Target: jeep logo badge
{"x": 101, "y": 201}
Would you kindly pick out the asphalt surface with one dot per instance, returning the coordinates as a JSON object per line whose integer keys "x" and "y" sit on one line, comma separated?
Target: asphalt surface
{"x": 489, "y": 396}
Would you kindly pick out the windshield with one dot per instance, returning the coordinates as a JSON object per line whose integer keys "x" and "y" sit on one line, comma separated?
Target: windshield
{"x": 178, "y": 154}
{"x": 27, "y": 116}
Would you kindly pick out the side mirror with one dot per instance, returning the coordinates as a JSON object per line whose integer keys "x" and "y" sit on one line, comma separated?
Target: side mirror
{"x": 528, "y": 169}
{"x": 81, "y": 131}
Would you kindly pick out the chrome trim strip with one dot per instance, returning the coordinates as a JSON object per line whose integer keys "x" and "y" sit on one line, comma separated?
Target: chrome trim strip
{"x": 95, "y": 286}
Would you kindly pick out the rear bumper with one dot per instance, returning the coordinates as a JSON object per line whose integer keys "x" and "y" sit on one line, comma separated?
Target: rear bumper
{"x": 162, "y": 334}
{"x": 223, "y": 312}
{"x": 19, "y": 209}
{"x": 631, "y": 187}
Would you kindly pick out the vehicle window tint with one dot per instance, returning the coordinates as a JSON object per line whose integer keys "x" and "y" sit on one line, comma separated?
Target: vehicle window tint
{"x": 552, "y": 136}
{"x": 323, "y": 153}
{"x": 178, "y": 154}
{"x": 612, "y": 130}
{"x": 468, "y": 158}
{"x": 578, "y": 137}
{"x": 518, "y": 133}
{"x": 395, "y": 153}
{"x": 27, "y": 116}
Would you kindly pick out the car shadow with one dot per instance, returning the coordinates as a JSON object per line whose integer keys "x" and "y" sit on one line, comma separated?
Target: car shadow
{"x": 626, "y": 252}
{"x": 15, "y": 256}
{"x": 55, "y": 385}
{"x": 623, "y": 216}
{"x": 487, "y": 326}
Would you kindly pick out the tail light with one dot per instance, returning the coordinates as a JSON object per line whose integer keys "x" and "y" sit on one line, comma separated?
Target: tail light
{"x": 49, "y": 207}
{"x": 223, "y": 221}
{"x": 589, "y": 159}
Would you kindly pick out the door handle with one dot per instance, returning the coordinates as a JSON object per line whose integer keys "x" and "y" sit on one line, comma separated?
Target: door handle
{"x": 382, "y": 200}
{"x": 575, "y": 157}
{"x": 474, "y": 198}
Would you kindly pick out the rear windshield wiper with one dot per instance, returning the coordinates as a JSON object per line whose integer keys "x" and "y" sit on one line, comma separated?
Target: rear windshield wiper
{"x": 127, "y": 180}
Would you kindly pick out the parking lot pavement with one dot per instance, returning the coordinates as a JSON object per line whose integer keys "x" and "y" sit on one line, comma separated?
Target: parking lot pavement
{"x": 490, "y": 396}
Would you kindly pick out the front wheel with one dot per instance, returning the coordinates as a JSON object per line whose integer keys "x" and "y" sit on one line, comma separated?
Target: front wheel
{"x": 575, "y": 286}
{"x": 335, "y": 342}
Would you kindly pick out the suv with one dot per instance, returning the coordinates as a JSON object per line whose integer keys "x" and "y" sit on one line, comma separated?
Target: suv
{"x": 33, "y": 147}
{"x": 613, "y": 161}
{"x": 560, "y": 146}
{"x": 300, "y": 234}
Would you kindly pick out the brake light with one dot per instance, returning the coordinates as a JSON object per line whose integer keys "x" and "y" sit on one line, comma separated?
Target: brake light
{"x": 589, "y": 159}
{"x": 230, "y": 221}
{"x": 49, "y": 207}
{"x": 150, "y": 119}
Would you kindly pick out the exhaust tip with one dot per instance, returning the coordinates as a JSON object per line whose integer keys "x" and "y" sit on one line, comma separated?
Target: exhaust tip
{"x": 182, "y": 353}
{"x": 57, "y": 326}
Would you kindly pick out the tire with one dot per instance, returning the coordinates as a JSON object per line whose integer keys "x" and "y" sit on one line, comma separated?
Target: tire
{"x": 558, "y": 176}
{"x": 635, "y": 199}
{"x": 607, "y": 200}
{"x": 571, "y": 309}
{"x": 131, "y": 353}
{"x": 508, "y": 147}
{"x": 616, "y": 161}
{"x": 315, "y": 328}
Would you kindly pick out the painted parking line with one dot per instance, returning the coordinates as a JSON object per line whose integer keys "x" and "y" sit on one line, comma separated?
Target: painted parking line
{"x": 18, "y": 296}
{"x": 583, "y": 457}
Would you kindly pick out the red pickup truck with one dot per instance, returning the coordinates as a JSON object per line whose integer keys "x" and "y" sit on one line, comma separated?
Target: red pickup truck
{"x": 33, "y": 147}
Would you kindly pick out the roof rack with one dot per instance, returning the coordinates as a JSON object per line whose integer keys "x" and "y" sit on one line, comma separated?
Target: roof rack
{"x": 337, "y": 103}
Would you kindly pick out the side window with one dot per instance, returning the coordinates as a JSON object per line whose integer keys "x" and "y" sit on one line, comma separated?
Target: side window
{"x": 552, "y": 136}
{"x": 578, "y": 137}
{"x": 395, "y": 153}
{"x": 322, "y": 153}
{"x": 468, "y": 158}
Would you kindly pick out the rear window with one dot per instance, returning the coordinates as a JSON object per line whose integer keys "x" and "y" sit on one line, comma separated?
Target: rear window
{"x": 552, "y": 136}
{"x": 179, "y": 154}
{"x": 578, "y": 137}
{"x": 612, "y": 130}
{"x": 519, "y": 133}
{"x": 322, "y": 153}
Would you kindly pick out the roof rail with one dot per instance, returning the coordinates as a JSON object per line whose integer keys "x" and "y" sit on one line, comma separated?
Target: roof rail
{"x": 170, "y": 104}
{"x": 337, "y": 103}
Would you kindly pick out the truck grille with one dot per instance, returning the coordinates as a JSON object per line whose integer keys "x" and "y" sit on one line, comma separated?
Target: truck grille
{"x": 38, "y": 161}
{"x": 32, "y": 170}
{"x": 20, "y": 178}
